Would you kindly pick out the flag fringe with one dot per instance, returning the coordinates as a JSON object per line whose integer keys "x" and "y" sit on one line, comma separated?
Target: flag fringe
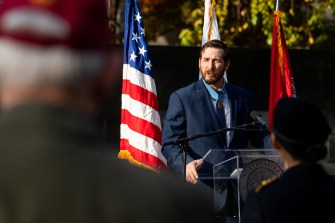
{"x": 279, "y": 42}
{"x": 125, "y": 154}
{"x": 213, "y": 4}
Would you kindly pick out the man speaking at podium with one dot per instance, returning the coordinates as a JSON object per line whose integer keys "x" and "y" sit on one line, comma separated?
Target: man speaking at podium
{"x": 207, "y": 105}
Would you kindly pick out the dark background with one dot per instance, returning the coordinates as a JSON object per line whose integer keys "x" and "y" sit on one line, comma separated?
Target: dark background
{"x": 175, "y": 67}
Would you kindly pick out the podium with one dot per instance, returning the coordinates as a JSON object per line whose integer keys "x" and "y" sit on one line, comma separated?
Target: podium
{"x": 239, "y": 172}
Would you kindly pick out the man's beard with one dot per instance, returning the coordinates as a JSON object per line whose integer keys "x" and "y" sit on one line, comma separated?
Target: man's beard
{"x": 213, "y": 80}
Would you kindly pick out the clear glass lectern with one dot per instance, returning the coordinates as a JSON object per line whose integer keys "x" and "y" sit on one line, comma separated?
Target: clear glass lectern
{"x": 240, "y": 172}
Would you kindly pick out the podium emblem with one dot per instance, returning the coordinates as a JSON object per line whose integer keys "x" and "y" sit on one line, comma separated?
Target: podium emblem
{"x": 255, "y": 172}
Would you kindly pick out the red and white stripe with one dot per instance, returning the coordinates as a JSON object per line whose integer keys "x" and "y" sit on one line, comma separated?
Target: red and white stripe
{"x": 141, "y": 131}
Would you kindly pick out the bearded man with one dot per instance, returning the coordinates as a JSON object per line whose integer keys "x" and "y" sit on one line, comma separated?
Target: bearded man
{"x": 204, "y": 106}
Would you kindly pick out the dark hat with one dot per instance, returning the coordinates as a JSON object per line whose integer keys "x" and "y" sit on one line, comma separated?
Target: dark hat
{"x": 77, "y": 24}
{"x": 300, "y": 121}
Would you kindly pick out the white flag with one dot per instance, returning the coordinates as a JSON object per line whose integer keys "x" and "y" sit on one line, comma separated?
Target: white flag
{"x": 210, "y": 29}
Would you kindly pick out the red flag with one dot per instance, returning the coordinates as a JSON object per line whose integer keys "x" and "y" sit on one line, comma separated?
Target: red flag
{"x": 141, "y": 134}
{"x": 281, "y": 78}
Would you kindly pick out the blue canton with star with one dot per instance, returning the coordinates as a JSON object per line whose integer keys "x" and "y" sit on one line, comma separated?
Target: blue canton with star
{"x": 136, "y": 49}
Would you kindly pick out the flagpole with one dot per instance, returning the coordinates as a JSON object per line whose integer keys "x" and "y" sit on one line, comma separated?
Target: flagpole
{"x": 277, "y": 5}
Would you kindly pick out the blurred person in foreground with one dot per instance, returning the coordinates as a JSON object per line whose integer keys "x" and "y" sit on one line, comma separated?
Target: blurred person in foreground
{"x": 54, "y": 164}
{"x": 305, "y": 192}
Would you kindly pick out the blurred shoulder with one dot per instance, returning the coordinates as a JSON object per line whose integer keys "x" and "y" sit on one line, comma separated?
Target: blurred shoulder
{"x": 172, "y": 194}
{"x": 266, "y": 183}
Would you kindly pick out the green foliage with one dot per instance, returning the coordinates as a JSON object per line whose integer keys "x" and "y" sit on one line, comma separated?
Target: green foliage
{"x": 248, "y": 23}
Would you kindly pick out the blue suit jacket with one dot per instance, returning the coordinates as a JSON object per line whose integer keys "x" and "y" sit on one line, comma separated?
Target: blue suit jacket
{"x": 190, "y": 112}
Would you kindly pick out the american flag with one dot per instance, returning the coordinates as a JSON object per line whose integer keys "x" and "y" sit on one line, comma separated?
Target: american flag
{"x": 141, "y": 132}
{"x": 281, "y": 76}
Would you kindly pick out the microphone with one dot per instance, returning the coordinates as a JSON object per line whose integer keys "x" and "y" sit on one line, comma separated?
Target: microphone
{"x": 259, "y": 118}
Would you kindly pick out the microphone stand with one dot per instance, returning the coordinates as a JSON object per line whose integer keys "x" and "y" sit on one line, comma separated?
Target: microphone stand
{"x": 183, "y": 142}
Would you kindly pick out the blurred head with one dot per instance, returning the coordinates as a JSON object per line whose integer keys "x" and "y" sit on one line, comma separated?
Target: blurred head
{"x": 214, "y": 60}
{"x": 52, "y": 42}
{"x": 301, "y": 128}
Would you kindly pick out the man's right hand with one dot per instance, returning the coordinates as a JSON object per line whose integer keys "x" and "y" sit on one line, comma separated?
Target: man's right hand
{"x": 191, "y": 170}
